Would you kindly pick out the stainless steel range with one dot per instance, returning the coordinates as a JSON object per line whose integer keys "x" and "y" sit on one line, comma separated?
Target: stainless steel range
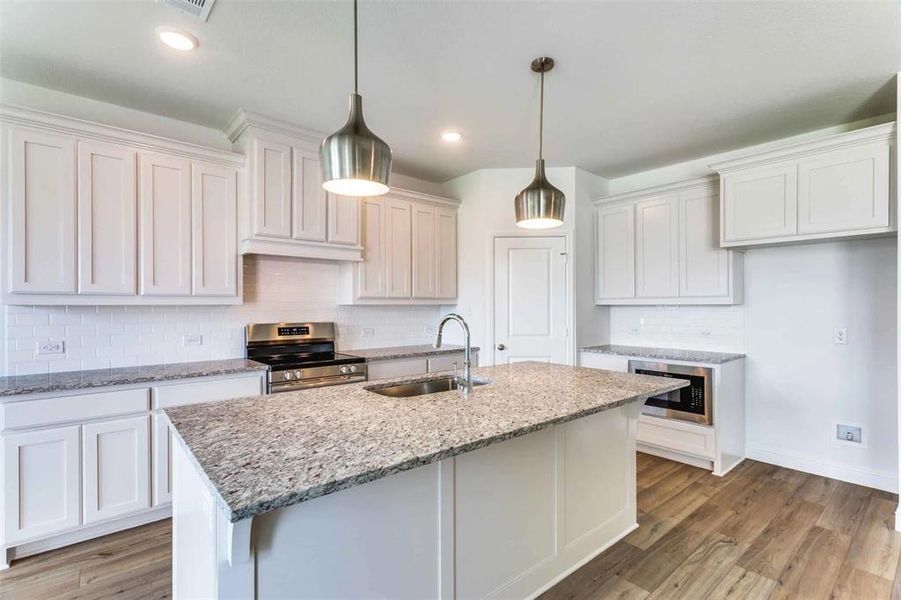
{"x": 301, "y": 355}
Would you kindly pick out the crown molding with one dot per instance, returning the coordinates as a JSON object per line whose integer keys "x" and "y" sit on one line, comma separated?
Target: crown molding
{"x": 406, "y": 194}
{"x": 79, "y": 128}
{"x": 789, "y": 151}
{"x": 705, "y": 181}
{"x": 243, "y": 119}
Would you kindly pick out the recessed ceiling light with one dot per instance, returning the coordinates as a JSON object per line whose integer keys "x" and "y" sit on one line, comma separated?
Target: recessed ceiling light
{"x": 451, "y": 136}
{"x": 175, "y": 38}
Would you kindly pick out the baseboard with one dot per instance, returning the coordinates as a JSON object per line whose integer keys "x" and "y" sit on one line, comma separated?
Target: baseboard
{"x": 676, "y": 456}
{"x": 858, "y": 475}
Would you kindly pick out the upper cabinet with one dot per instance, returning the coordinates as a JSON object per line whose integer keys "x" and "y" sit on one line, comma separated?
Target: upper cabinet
{"x": 660, "y": 246}
{"x": 410, "y": 251}
{"x": 100, "y": 215}
{"x": 835, "y": 187}
{"x": 287, "y": 211}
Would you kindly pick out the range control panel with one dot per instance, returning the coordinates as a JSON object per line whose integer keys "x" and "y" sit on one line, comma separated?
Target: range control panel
{"x": 296, "y": 330}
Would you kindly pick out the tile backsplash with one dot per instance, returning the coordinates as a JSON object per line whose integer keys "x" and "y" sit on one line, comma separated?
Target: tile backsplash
{"x": 714, "y": 328}
{"x": 275, "y": 289}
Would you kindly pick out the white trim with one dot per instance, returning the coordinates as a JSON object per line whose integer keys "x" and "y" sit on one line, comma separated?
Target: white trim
{"x": 301, "y": 249}
{"x": 794, "y": 150}
{"x": 706, "y": 181}
{"x": 879, "y": 480}
{"x": 242, "y": 119}
{"x": 82, "y": 129}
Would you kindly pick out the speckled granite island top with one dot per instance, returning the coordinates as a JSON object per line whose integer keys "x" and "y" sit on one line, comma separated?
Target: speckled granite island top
{"x": 78, "y": 380}
{"x": 395, "y": 352}
{"x": 699, "y": 356}
{"x": 268, "y": 452}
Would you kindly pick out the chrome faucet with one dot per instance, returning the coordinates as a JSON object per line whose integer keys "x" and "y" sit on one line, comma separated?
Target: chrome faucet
{"x": 466, "y": 383}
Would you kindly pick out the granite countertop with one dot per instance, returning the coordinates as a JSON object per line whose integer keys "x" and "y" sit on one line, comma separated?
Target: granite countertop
{"x": 394, "y": 352}
{"x": 699, "y": 356}
{"x": 78, "y": 380}
{"x": 264, "y": 453}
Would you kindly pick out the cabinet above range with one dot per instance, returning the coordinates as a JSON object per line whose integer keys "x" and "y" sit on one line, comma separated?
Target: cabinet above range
{"x": 660, "y": 246}
{"x": 838, "y": 187}
{"x": 286, "y": 211}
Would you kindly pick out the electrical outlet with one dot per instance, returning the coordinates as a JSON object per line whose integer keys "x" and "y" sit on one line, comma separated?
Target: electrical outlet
{"x": 840, "y": 335}
{"x": 192, "y": 339}
{"x": 848, "y": 433}
{"x": 368, "y": 331}
{"x": 52, "y": 347}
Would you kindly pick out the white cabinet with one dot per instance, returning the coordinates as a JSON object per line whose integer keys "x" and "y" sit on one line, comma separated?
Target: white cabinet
{"x": 162, "y": 459}
{"x": 615, "y": 252}
{"x": 425, "y": 248}
{"x": 844, "y": 190}
{"x": 446, "y": 253}
{"x": 402, "y": 367}
{"x": 835, "y": 187}
{"x": 703, "y": 266}
{"x": 271, "y": 207}
{"x": 42, "y": 212}
{"x": 99, "y": 215}
{"x": 657, "y": 248}
{"x": 398, "y": 250}
{"x": 409, "y": 251}
{"x": 660, "y": 246}
{"x": 371, "y": 273}
{"x": 309, "y": 198}
{"x": 41, "y": 483}
{"x": 290, "y": 213}
{"x": 107, "y": 217}
{"x": 214, "y": 224}
{"x": 164, "y": 197}
{"x": 116, "y": 468}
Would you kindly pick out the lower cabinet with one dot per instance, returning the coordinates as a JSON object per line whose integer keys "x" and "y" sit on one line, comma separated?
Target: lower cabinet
{"x": 41, "y": 483}
{"x": 116, "y": 468}
{"x": 402, "y": 367}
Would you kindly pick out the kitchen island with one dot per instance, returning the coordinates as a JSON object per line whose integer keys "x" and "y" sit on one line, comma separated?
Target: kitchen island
{"x": 342, "y": 492}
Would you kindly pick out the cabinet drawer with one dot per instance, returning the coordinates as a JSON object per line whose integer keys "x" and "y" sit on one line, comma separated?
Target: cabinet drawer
{"x": 63, "y": 409}
{"x": 384, "y": 369}
{"x": 689, "y": 438}
{"x": 180, "y": 394}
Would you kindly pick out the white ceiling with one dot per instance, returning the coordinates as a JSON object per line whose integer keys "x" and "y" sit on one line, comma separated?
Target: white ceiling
{"x": 637, "y": 84}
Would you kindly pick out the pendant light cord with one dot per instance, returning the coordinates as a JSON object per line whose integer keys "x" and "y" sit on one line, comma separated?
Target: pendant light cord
{"x": 355, "y": 49}
{"x": 540, "y": 120}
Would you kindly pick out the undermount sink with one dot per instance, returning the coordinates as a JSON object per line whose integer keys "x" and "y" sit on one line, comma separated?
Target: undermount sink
{"x": 420, "y": 388}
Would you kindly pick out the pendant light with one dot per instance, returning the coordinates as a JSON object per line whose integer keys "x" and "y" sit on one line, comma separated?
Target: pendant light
{"x": 540, "y": 205}
{"x": 355, "y": 161}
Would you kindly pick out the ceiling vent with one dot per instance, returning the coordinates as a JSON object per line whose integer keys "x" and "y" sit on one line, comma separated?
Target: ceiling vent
{"x": 198, "y": 8}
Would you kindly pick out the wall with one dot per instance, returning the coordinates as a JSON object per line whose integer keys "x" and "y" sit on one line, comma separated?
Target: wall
{"x": 275, "y": 289}
{"x": 798, "y": 381}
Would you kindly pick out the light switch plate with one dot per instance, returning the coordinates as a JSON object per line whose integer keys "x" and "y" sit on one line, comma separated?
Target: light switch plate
{"x": 192, "y": 339}
{"x": 368, "y": 331}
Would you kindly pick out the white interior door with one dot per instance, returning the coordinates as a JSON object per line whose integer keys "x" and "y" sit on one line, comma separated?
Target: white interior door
{"x": 530, "y": 299}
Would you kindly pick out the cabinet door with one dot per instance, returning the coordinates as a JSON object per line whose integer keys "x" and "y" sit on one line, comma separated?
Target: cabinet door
{"x": 271, "y": 205}
{"x": 164, "y": 198}
{"x": 398, "y": 241}
{"x": 215, "y": 226}
{"x": 41, "y": 483}
{"x": 162, "y": 460}
{"x": 107, "y": 217}
{"x": 760, "y": 203}
{"x": 343, "y": 219}
{"x": 657, "y": 248}
{"x": 372, "y": 271}
{"x": 309, "y": 198}
{"x": 42, "y": 212}
{"x": 424, "y": 251}
{"x": 844, "y": 190}
{"x": 446, "y": 252}
{"x": 615, "y": 237}
{"x": 116, "y": 468}
{"x": 703, "y": 265}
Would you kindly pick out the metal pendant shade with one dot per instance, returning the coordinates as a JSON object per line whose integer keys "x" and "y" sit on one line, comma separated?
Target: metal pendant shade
{"x": 355, "y": 161}
{"x": 540, "y": 205}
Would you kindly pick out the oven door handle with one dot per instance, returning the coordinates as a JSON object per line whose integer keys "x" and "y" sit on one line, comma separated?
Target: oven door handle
{"x": 307, "y": 384}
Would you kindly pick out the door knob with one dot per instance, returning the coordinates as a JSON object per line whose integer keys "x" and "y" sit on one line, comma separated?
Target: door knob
{"x": 501, "y": 347}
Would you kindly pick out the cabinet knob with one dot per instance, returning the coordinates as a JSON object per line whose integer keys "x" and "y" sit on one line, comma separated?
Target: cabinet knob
{"x": 501, "y": 347}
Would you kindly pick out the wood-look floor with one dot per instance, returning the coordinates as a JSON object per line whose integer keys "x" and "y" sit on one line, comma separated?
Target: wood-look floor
{"x": 760, "y": 532}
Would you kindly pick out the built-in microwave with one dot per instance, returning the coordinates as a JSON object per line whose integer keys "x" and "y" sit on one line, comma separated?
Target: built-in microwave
{"x": 693, "y": 403}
